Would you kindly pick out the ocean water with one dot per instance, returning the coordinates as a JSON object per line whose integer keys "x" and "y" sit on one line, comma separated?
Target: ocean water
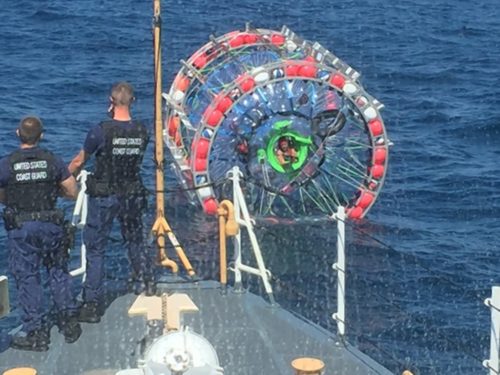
{"x": 425, "y": 258}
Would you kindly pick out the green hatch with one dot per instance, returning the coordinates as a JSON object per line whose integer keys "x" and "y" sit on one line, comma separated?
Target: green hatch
{"x": 301, "y": 145}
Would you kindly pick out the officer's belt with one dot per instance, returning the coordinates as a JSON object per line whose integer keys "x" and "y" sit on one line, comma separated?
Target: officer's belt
{"x": 15, "y": 219}
{"x": 97, "y": 188}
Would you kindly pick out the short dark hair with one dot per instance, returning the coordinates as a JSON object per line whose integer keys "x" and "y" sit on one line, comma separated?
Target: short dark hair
{"x": 30, "y": 130}
{"x": 122, "y": 93}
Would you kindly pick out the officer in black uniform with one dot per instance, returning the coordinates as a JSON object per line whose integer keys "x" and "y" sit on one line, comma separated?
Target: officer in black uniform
{"x": 31, "y": 179}
{"x": 115, "y": 191}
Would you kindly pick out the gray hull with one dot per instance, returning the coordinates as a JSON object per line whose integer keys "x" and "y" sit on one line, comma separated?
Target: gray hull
{"x": 249, "y": 335}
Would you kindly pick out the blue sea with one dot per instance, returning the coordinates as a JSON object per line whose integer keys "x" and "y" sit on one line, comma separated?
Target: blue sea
{"x": 422, "y": 262}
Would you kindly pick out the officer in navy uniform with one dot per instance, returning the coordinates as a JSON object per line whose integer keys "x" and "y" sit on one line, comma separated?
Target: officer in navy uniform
{"x": 31, "y": 179}
{"x": 115, "y": 191}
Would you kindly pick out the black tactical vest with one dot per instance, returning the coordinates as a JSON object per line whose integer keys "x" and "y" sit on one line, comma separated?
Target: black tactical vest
{"x": 33, "y": 184}
{"x": 118, "y": 163}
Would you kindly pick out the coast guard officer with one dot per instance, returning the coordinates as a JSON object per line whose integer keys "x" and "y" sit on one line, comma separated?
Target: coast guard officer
{"x": 31, "y": 179}
{"x": 115, "y": 190}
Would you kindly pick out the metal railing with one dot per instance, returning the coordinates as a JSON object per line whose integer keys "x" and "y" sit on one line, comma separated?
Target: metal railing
{"x": 242, "y": 217}
{"x": 493, "y": 363}
{"x": 340, "y": 267}
{"x": 79, "y": 219}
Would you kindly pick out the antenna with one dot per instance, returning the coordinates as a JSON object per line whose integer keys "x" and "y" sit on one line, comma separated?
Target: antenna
{"x": 161, "y": 228}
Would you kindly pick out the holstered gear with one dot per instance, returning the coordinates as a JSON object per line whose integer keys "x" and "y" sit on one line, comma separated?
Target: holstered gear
{"x": 69, "y": 236}
{"x": 14, "y": 219}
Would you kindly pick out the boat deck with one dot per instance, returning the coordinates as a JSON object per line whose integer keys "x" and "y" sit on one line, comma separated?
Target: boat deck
{"x": 249, "y": 335}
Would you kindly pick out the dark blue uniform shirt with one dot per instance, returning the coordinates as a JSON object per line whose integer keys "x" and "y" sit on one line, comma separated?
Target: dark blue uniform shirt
{"x": 95, "y": 137}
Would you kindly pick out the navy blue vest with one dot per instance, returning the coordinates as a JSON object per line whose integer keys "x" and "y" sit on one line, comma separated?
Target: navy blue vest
{"x": 118, "y": 163}
{"x": 33, "y": 184}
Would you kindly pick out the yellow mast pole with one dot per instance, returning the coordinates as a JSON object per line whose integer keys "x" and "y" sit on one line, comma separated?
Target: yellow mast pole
{"x": 160, "y": 227}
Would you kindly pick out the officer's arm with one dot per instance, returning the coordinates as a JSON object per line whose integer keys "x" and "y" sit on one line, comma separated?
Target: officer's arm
{"x": 69, "y": 188}
{"x": 280, "y": 157}
{"x": 77, "y": 163}
{"x": 4, "y": 178}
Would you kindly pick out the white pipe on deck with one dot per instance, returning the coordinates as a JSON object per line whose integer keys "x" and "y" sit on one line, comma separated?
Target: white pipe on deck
{"x": 493, "y": 303}
{"x": 340, "y": 266}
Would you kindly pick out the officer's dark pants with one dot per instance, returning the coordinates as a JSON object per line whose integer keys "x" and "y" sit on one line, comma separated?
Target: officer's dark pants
{"x": 101, "y": 212}
{"x": 34, "y": 244}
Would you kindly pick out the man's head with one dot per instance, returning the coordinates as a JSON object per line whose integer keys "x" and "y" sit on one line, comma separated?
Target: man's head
{"x": 283, "y": 144}
{"x": 122, "y": 94}
{"x": 30, "y": 130}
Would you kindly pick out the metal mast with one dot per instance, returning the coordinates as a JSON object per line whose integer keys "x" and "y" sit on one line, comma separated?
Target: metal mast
{"x": 161, "y": 228}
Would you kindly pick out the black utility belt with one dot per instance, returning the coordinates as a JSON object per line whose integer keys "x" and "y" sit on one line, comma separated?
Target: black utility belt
{"x": 15, "y": 219}
{"x": 96, "y": 188}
